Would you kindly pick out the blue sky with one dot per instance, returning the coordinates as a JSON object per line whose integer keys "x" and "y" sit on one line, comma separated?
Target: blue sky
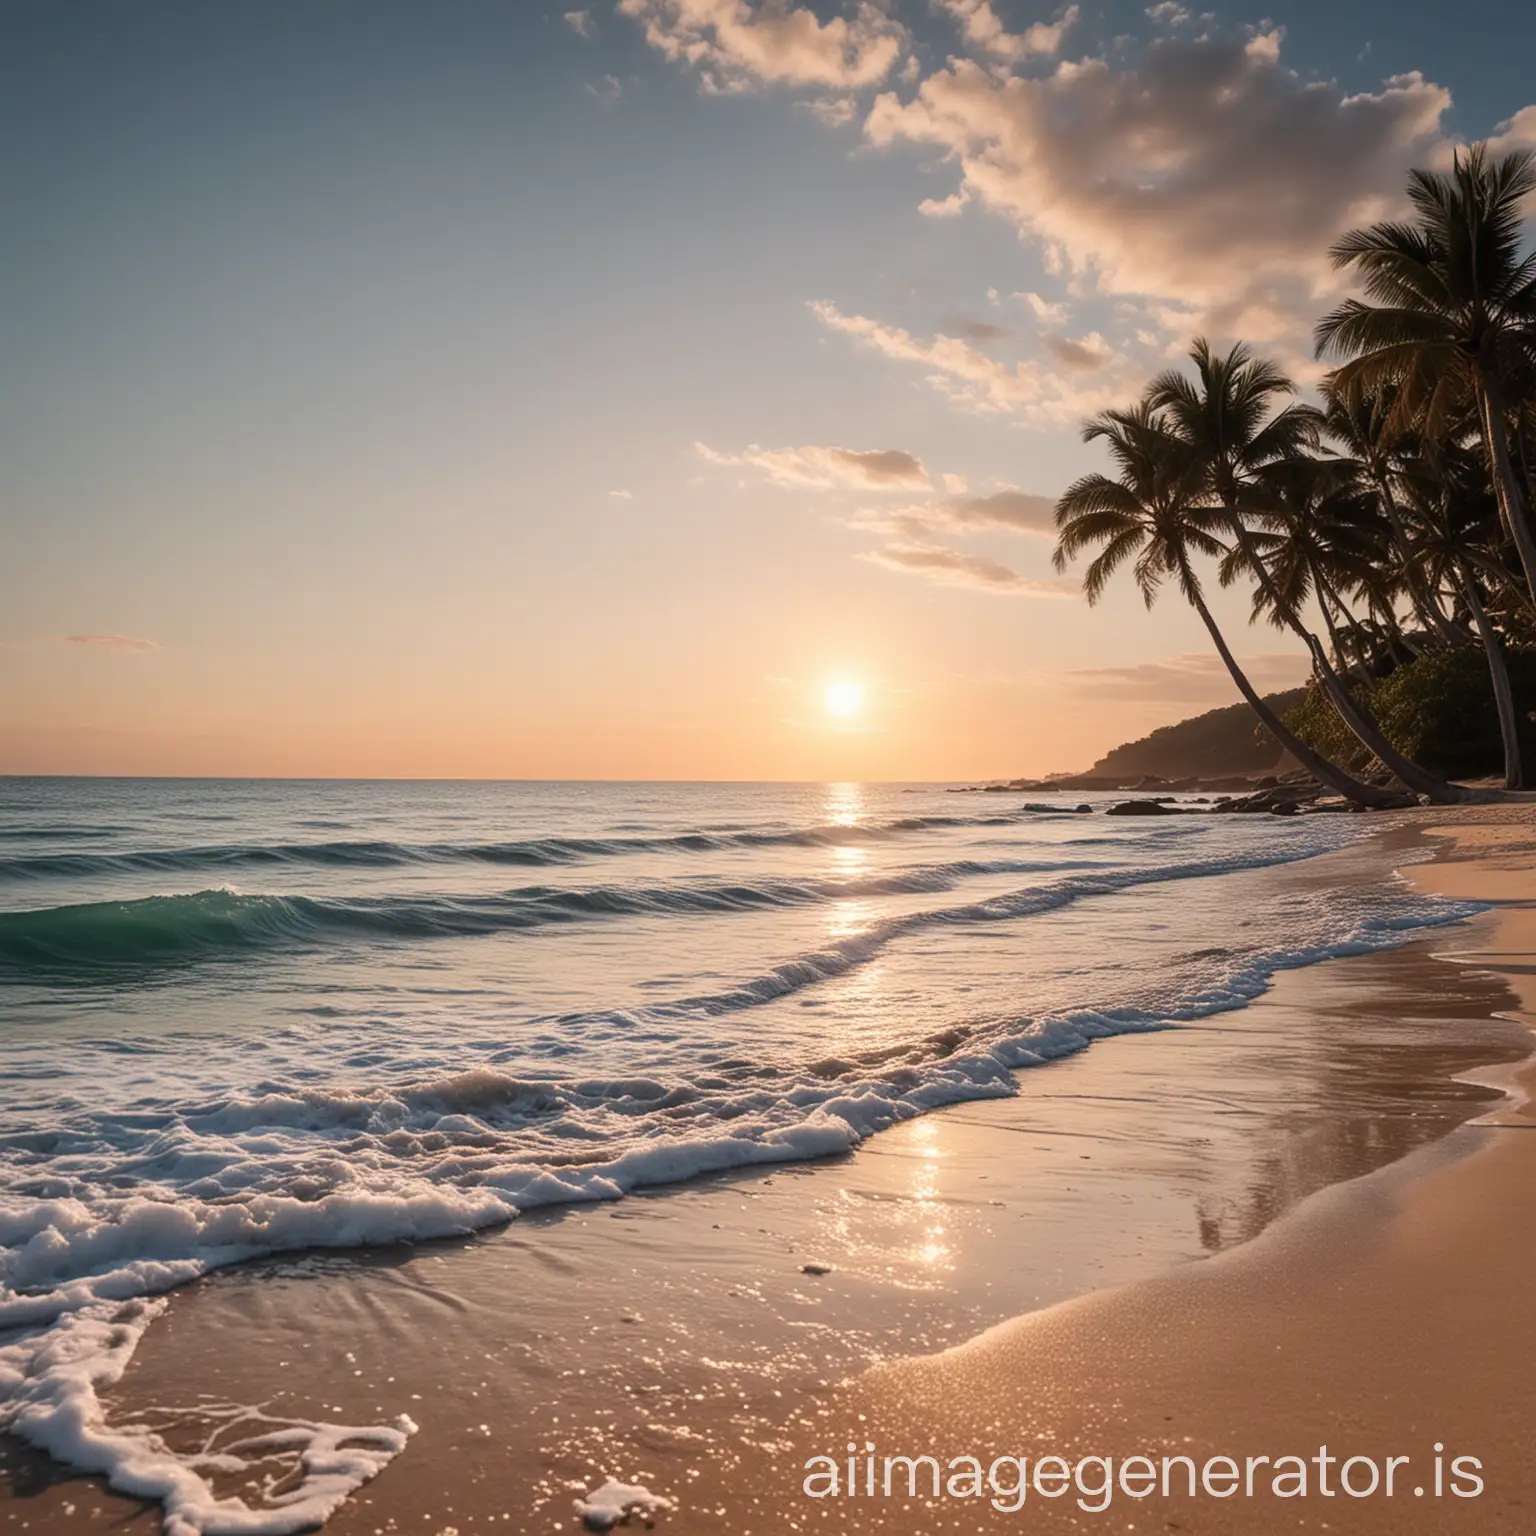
{"x": 491, "y": 389}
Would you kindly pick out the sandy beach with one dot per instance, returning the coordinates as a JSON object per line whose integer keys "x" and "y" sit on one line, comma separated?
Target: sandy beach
{"x": 1277, "y": 1196}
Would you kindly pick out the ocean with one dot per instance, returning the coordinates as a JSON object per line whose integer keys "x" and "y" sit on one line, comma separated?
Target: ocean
{"x": 240, "y": 1018}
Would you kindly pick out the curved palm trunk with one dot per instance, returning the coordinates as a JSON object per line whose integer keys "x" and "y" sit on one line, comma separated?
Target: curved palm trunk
{"x": 1503, "y": 694}
{"x": 1506, "y": 484}
{"x": 1319, "y": 767}
{"x": 1361, "y": 726}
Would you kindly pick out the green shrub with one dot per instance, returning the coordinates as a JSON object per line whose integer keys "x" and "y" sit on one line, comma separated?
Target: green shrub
{"x": 1438, "y": 710}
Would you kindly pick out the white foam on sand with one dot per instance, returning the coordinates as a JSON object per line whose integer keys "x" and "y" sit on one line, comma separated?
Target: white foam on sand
{"x": 606, "y": 1506}
{"x": 53, "y": 1385}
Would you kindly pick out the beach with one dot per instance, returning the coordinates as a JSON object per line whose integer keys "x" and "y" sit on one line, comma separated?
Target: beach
{"x": 1286, "y": 1193}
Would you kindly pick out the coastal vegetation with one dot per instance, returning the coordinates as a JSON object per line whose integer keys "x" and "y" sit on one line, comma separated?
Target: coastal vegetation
{"x": 1388, "y": 526}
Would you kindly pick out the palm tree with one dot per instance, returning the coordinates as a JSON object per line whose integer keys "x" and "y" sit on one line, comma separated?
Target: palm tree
{"x": 1449, "y": 501}
{"x": 1320, "y": 538}
{"x": 1154, "y": 516}
{"x": 1223, "y": 416}
{"x": 1360, "y": 421}
{"x": 1498, "y": 671}
{"x": 1452, "y": 322}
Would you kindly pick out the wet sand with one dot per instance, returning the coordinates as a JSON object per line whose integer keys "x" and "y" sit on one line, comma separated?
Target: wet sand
{"x": 676, "y": 1339}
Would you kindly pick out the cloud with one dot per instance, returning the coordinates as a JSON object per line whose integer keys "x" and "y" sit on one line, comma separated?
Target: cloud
{"x": 622, "y": 495}
{"x": 917, "y": 534}
{"x": 1518, "y": 133}
{"x": 955, "y": 568}
{"x": 1195, "y": 677}
{"x": 1006, "y": 511}
{"x": 969, "y": 378}
{"x": 581, "y": 23}
{"x": 834, "y": 111}
{"x": 1016, "y": 511}
{"x": 982, "y": 28}
{"x": 957, "y": 369}
{"x": 828, "y": 468}
{"x": 977, "y": 330}
{"x": 1087, "y": 354}
{"x": 113, "y": 642}
{"x": 1203, "y": 173}
{"x": 955, "y": 484}
{"x": 1051, "y": 314}
{"x": 1168, "y": 13}
{"x": 736, "y": 45}
{"x": 944, "y": 207}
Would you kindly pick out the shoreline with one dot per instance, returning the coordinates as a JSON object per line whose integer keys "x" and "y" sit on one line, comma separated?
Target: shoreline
{"x": 1387, "y": 1314}
{"x": 976, "y": 1136}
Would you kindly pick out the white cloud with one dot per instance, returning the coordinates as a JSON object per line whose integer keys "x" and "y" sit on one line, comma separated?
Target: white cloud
{"x": 735, "y": 44}
{"x": 581, "y": 23}
{"x": 955, "y": 568}
{"x": 956, "y": 368}
{"x": 1265, "y": 45}
{"x": 981, "y": 27}
{"x": 915, "y": 524}
{"x": 970, "y": 378}
{"x": 955, "y": 484}
{"x": 1084, "y": 354}
{"x": 918, "y": 539}
{"x": 1195, "y": 677}
{"x": 113, "y": 642}
{"x": 828, "y": 468}
{"x": 622, "y": 495}
{"x": 1050, "y": 314}
{"x": 1016, "y": 511}
{"x": 1168, "y": 13}
{"x": 834, "y": 111}
{"x": 1518, "y": 133}
{"x": 1007, "y": 511}
{"x": 983, "y": 331}
{"x": 944, "y": 207}
{"x": 1205, "y": 173}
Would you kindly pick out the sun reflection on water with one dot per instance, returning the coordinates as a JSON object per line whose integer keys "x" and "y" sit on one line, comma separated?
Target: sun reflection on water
{"x": 844, "y": 804}
{"x": 848, "y": 919}
{"x": 929, "y": 1248}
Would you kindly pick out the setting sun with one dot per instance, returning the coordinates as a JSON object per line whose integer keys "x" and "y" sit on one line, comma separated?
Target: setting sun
{"x": 845, "y": 699}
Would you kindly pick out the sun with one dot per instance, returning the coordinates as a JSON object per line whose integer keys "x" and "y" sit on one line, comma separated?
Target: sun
{"x": 845, "y": 699}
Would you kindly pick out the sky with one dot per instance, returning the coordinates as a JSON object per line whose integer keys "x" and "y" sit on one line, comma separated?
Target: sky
{"x": 473, "y": 389}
